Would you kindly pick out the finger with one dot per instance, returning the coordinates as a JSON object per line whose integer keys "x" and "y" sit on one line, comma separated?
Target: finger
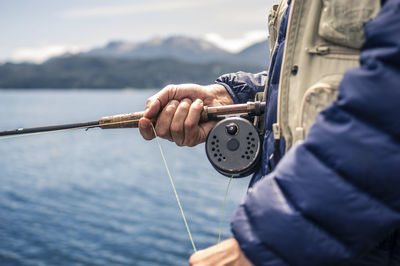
{"x": 159, "y": 100}
{"x": 192, "y": 134}
{"x": 153, "y": 107}
{"x": 177, "y": 125}
{"x": 165, "y": 119}
{"x": 146, "y": 129}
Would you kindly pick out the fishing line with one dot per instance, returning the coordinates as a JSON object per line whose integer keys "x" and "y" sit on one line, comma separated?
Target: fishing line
{"x": 223, "y": 210}
{"x": 174, "y": 189}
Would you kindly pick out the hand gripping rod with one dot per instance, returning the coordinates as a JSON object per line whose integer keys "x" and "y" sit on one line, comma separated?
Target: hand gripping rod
{"x": 131, "y": 120}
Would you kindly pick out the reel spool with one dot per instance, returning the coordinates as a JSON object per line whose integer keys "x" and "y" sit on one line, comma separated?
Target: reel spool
{"x": 233, "y": 147}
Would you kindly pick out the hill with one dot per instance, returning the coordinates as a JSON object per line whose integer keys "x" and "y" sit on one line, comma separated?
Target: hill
{"x": 152, "y": 64}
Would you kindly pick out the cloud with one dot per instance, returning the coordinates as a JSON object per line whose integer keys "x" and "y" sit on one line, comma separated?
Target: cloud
{"x": 120, "y": 10}
{"x": 42, "y": 53}
{"x": 236, "y": 44}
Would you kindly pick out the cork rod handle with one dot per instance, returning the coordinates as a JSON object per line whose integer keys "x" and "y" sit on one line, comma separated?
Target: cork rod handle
{"x": 131, "y": 120}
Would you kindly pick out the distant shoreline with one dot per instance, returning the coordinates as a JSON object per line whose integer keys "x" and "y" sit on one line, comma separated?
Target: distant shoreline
{"x": 173, "y": 61}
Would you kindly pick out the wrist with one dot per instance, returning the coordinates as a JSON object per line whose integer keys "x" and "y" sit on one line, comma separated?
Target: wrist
{"x": 220, "y": 94}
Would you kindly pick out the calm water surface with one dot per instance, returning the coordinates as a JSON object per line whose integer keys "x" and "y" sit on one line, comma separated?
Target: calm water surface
{"x": 100, "y": 197}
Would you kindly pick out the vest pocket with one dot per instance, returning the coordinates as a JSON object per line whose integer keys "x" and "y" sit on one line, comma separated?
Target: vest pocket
{"x": 342, "y": 21}
{"x": 316, "y": 98}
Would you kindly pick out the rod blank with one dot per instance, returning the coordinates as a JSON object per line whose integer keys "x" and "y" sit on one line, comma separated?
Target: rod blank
{"x": 21, "y": 131}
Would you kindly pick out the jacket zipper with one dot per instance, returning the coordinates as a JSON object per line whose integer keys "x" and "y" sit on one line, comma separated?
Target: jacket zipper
{"x": 276, "y": 127}
{"x": 267, "y": 90}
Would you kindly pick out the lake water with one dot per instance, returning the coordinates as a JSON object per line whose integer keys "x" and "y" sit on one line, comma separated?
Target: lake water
{"x": 100, "y": 197}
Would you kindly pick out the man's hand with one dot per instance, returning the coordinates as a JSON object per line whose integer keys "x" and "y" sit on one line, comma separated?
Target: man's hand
{"x": 226, "y": 253}
{"x": 177, "y": 109}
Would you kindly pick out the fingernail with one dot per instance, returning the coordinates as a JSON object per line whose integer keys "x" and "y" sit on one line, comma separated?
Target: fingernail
{"x": 143, "y": 124}
{"x": 187, "y": 100}
{"x": 175, "y": 103}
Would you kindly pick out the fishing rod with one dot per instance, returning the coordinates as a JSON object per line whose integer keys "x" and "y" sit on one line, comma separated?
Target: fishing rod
{"x": 131, "y": 120}
{"x": 232, "y": 146}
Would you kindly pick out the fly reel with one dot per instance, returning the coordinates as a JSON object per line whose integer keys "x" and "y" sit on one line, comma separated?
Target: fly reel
{"x": 233, "y": 147}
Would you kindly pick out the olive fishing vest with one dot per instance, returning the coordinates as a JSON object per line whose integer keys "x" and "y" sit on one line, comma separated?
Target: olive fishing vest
{"x": 323, "y": 40}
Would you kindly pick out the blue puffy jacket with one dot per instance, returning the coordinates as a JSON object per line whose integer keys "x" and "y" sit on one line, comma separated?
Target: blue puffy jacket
{"x": 334, "y": 199}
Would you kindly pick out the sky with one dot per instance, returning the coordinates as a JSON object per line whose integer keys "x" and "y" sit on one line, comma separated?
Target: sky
{"x": 36, "y": 30}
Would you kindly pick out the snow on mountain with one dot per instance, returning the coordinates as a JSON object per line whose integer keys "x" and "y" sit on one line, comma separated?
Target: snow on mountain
{"x": 182, "y": 48}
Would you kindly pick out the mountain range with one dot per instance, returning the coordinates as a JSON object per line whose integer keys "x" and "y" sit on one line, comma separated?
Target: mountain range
{"x": 151, "y": 64}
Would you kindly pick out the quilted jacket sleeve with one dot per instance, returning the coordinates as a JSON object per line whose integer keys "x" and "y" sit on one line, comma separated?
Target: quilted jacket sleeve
{"x": 336, "y": 196}
{"x": 243, "y": 86}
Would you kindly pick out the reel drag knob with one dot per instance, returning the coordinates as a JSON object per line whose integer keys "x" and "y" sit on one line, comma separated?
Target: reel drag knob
{"x": 233, "y": 147}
